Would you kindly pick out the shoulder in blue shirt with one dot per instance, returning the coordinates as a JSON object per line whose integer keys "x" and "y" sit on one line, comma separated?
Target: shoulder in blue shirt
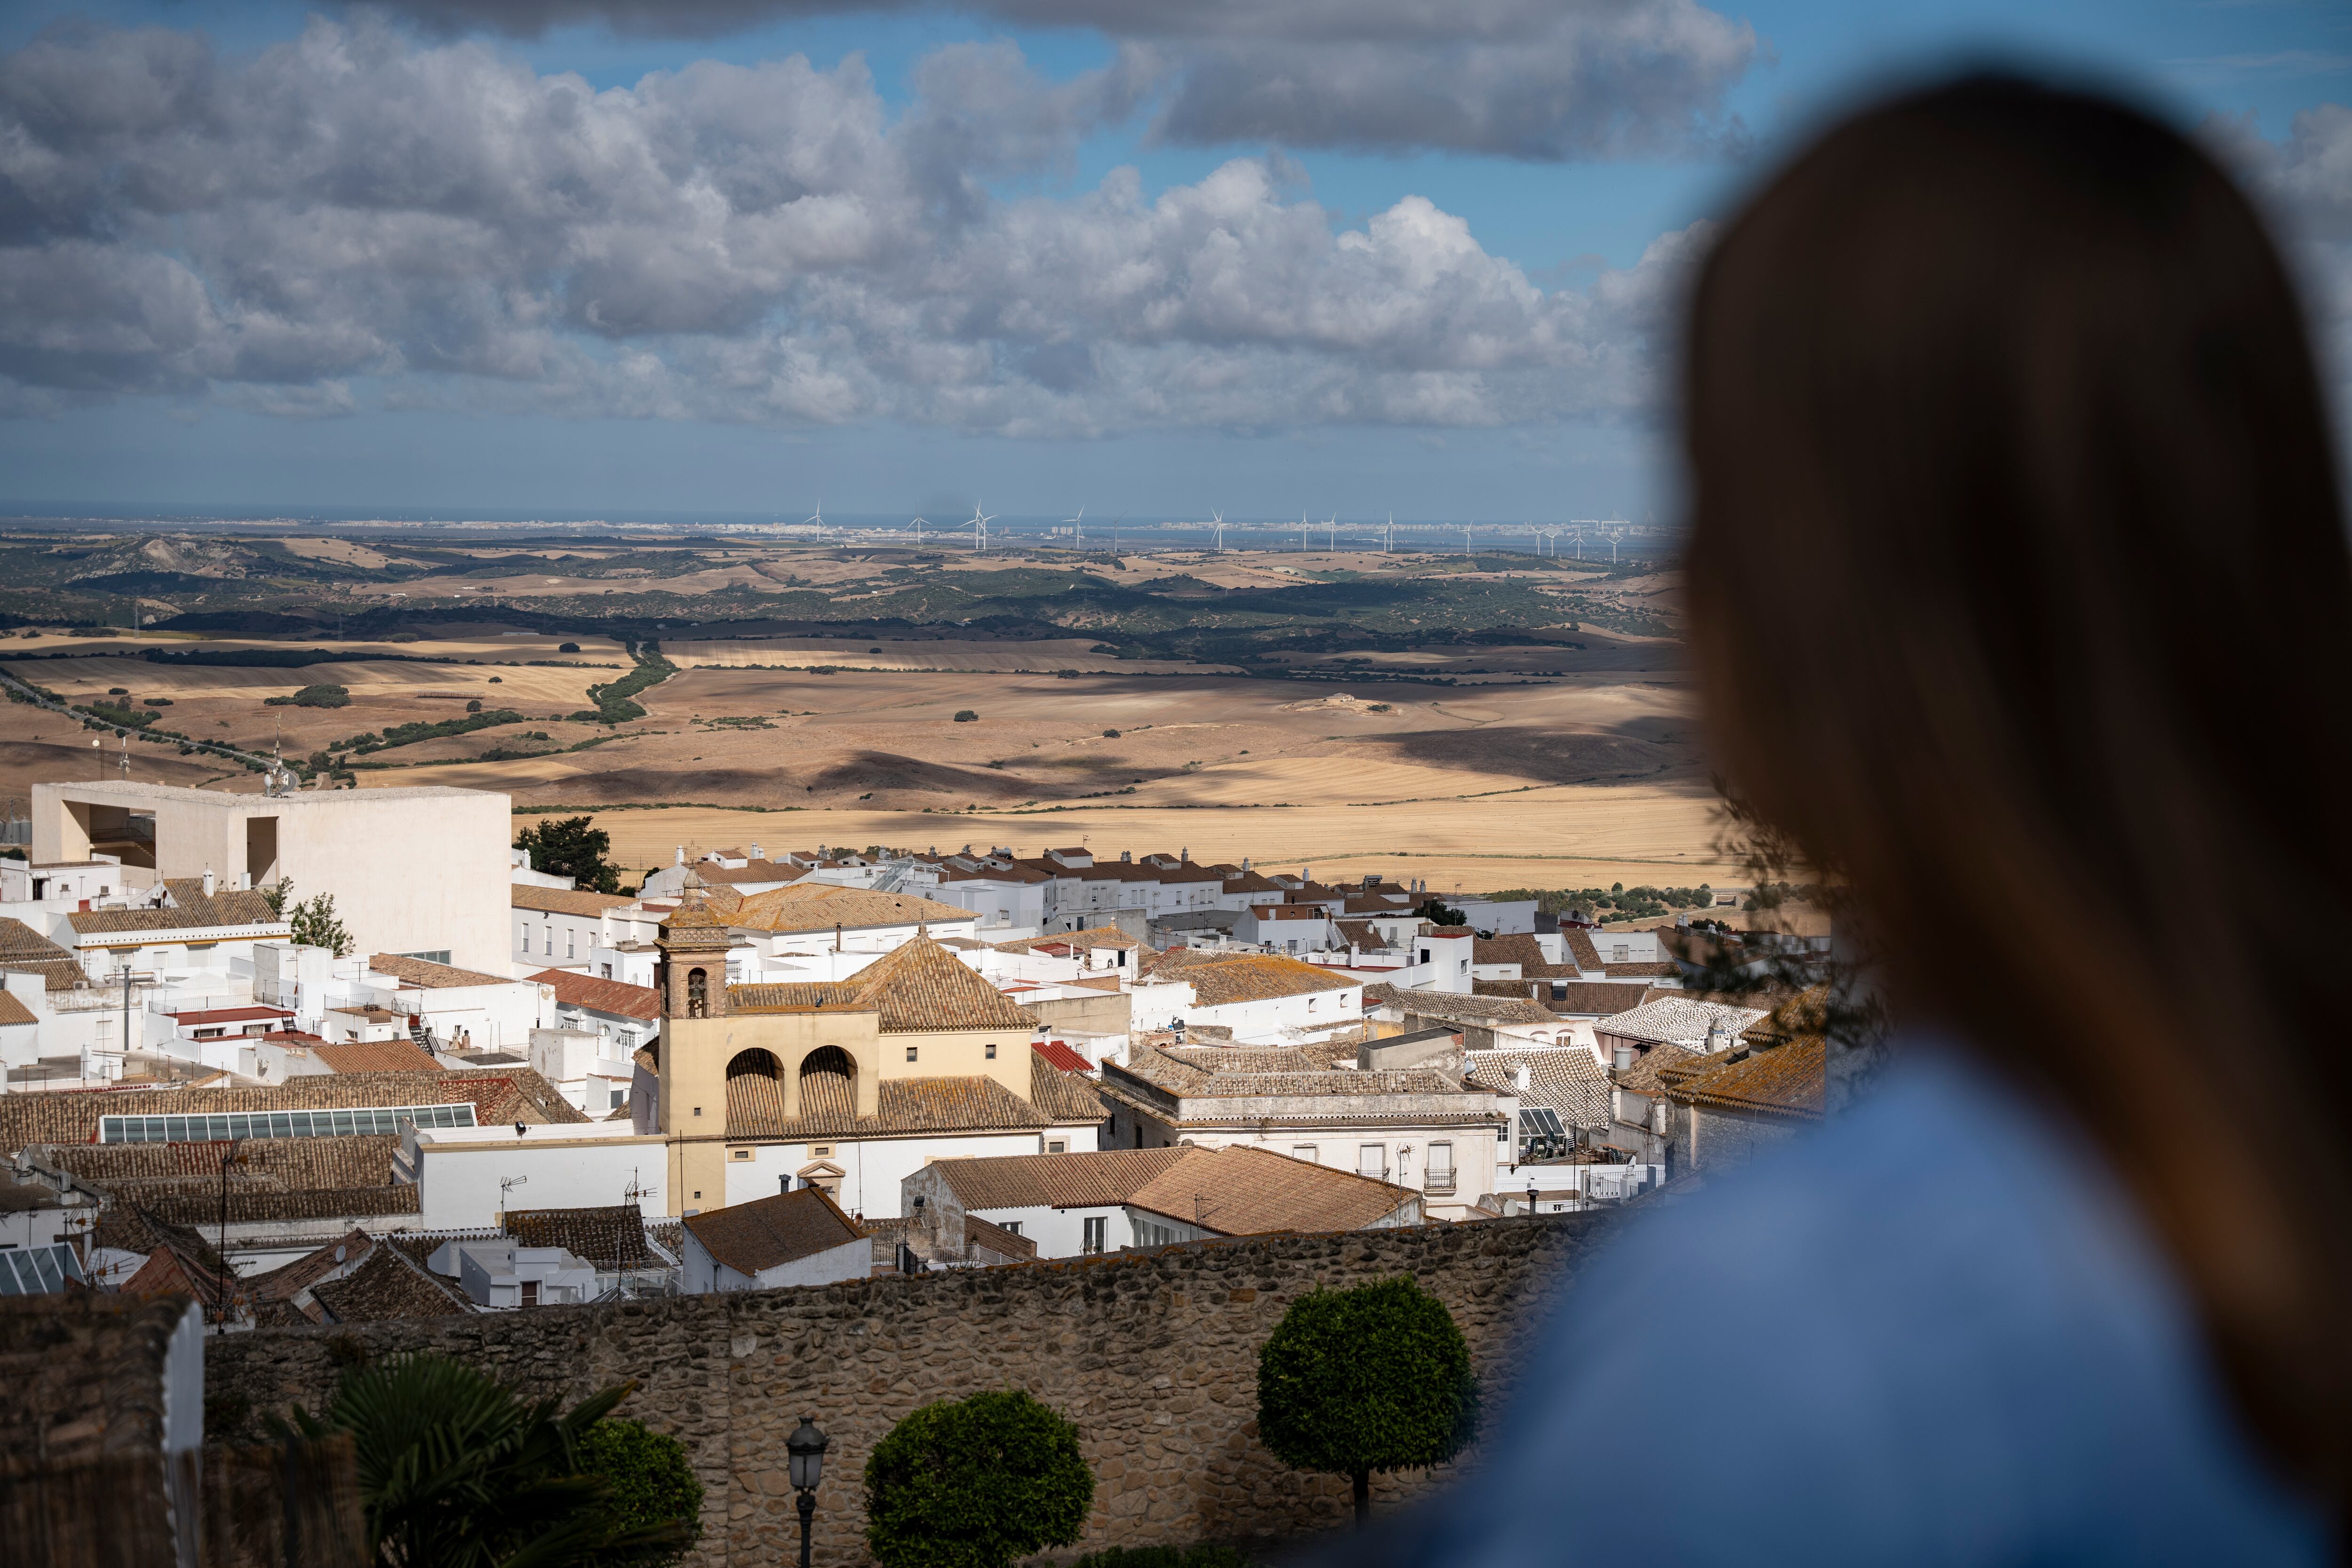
{"x": 1931, "y": 1332}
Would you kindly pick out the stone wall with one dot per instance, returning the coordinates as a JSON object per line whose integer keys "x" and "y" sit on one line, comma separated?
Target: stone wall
{"x": 1153, "y": 1355}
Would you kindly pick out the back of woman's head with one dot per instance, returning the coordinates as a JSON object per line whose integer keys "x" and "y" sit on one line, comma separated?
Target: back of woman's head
{"x": 2021, "y": 601}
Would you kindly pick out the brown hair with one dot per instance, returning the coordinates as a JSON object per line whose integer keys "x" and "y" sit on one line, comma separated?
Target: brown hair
{"x": 2021, "y": 601}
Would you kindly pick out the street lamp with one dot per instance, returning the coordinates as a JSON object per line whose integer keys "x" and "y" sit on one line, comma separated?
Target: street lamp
{"x": 804, "y": 1463}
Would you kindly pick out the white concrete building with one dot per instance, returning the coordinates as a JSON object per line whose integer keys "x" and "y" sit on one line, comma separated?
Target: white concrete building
{"x": 562, "y": 928}
{"x": 411, "y": 870}
{"x": 501, "y": 1274}
{"x": 466, "y": 1176}
{"x": 800, "y": 1237}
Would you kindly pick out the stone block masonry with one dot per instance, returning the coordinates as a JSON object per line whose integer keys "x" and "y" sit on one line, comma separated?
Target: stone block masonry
{"x": 1152, "y": 1354}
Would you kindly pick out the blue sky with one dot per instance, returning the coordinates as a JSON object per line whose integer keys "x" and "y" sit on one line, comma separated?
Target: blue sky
{"x": 1151, "y": 257}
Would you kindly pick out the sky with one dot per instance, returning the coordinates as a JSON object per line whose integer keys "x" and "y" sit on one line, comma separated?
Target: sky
{"x": 621, "y": 257}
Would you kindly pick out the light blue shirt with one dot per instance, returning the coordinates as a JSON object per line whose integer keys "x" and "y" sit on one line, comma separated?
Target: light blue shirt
{"x": 1932, "y": 1332}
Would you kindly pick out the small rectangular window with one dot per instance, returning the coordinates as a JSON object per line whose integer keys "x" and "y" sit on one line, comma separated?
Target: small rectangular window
{"x": 1096, "y": 1231}
{"x": 1306, "y": 1152}
{"x": 618, "y": 1096}
{"x": 1012, "y": 1226}
{"x": 910, "y": 1053}
{"x": 1057, "y": 1146}
{"x": 1372, "y": 1159}
{"x": 531, "y": 1292}
{"x": 991, "y": 1053}
{"x": 821, "y": 1151}
{"x": 742, "y": 1153}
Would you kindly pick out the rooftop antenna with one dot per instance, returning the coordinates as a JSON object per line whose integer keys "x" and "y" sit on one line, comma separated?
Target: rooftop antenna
{"x": 507, "y": 1184}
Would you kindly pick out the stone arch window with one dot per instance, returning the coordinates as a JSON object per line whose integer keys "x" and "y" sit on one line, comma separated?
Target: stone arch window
{"x": 828, "y": 1083}
{"x": 755, "y": 1062}
{"x": 698, "y": 993}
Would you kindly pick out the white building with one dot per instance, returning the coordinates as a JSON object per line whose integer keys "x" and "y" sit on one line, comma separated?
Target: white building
{"x": 1260, "y": 997}
{"x": 500, "y": 1273}
{"x": 798, "y": 1237}
{"x": 1073, "y": 1206}
{"x": 418, "y": 871}
{"x": 466, "y": 1176}
{"x": 562, "y": 928}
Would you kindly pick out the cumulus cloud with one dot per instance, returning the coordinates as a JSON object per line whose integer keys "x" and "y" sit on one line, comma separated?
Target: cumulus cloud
{"x": 764, "y": 243}
{"x": 1521, "y": 78}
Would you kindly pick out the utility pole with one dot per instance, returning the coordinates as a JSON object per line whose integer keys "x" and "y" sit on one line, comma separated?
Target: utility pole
{"x": 230, "y": 1158}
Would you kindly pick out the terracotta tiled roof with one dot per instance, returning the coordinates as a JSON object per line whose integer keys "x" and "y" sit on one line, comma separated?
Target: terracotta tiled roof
{"x": 190, "y": 909}
{"x": 375, "y": 1056}
{"x": 1061, "y": 1056}
{"x": 202, "y": 1207}
{"x": 389, "y": 1285}
{"x": 616, "y": 997}
{"x": 291, "y": 1279}
{"x": 1785, "y": 1081}
{"x": 755, "y": 1108}
{"x": 609, "y": 1237}
{"x": 1253, "y": 1191}
{"x": 25, "y": 949}
{"x": 1677, "y": 1020}
{"x": 277, "y": 1164}
{"x": 918, "y": 988}
{"x": 1054, "y": 1180}
{"x": 1062, "y": 1094}
{"x": 14, "y": 1011}
{"x": 1176, "y": 1076}
{"x": 819, "y": 906}
{"x": 1454, "y": 1007}
{"x": 1642, "y": 1077}
{"x": 1569, "y": 1081}
{"x": 1597, "y": 998}
{"x": 431, "y": 976}
{"x": 770, "y": 1231}
{"x": 510, "y": 1094}
{"x": 1220, "y": 979}
{"x": 1521, "y": 950}
{"x": 1093, "y": 936}
{"x": 564, "y": 900}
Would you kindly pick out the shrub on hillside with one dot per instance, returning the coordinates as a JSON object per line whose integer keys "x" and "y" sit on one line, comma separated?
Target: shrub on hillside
{"x": 313, "y": 697}
{"x": 965, "y": 716}
{"x": 1373, "y": 1378}
{"x": 976, "y": 1483}
{"x": 567, "y": 648}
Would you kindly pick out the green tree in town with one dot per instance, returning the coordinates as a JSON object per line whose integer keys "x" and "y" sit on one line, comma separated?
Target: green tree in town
{"x": 572, "y": 847}
{"x": 315, "y": 925}
{"x": 649, "y": 1484}
{"x": 456, "y": 1471}
{"x": 1373, "y": 1378}
{"x": 976, "y": 1483}
{"x": 1437, "y": 914}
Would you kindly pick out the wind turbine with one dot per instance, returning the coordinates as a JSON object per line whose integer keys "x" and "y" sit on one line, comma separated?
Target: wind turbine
{"x": 817, "y": 518}
{"x": 1615, "y": 535}
{"x": 1302, "y": 527}
{"x": 1576, "y": 532}
{"x": 1388, "y": 540}
{"x": 1332, "y": 532}
{"x": 980, "y": 521}
{"x": 1113, "y": 532}
{"x": 919, "y": 532}
{"x": 1465, "y": 539}
{"x": 1219, "y": 524}
{"x": 1081, "y": 520}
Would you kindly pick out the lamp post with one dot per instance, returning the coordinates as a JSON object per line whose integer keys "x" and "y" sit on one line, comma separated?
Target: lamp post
{"x": 804, "y": 1463}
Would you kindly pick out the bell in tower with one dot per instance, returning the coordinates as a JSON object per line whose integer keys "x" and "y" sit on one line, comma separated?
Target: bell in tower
{"x": 692, "y": 974}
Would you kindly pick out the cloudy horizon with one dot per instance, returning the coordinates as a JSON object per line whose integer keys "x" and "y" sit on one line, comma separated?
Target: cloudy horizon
{"x": 583, "y": 255}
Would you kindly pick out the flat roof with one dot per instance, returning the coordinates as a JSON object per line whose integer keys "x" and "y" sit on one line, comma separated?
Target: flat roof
{"x": 119, "y": 792}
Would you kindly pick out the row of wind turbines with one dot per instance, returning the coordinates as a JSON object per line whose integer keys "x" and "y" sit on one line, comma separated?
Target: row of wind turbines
{"x": 1577, "y": 531}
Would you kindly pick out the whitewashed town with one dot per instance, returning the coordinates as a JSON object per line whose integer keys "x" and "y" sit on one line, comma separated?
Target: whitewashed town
{"x": 478, "y": 1088}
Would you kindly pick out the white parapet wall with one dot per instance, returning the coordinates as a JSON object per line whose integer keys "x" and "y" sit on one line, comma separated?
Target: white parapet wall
{"x": 411, "y": 870}
{"x": 590, "y": 1164}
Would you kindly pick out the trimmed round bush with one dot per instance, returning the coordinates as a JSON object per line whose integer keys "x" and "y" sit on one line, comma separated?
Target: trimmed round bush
{"x": 976, "y": 1483}
{"x": 648, "y": 1481}
{"x": 1373, "y": 1378}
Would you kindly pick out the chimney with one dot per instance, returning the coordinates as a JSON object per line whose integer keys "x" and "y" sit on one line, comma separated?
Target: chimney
{"x": 1245, "y": 865}
{"x": 836, "y": 936}
{"x": 681, "y": 854}
{"x": 755, "y": 853}
{"x": 1624, "y": 1058}
{"x": 1185, "y": 855}
{"x": 1519, "y": 1077}
{"x": 1126, "y": 857}
{"x": 208, "y": 881}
